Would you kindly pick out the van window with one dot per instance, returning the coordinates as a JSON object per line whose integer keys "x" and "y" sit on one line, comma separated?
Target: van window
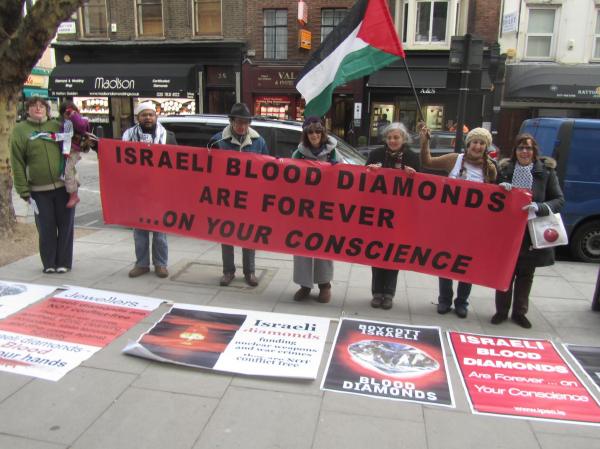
{"x": 193, "y": 134}
{"x": 583, "y": 163}
{"x": 287, "y": 141}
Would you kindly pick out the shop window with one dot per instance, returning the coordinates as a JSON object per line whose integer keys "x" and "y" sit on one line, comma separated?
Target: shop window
{"x": 207, "y": 15}
{"x": 432, "y": 19}
{"x": 540, "y": 32}
{"x": 273, "y": 107}
{"x": 597, "y": 36}
{"x": 149, "y": 18}
{"x": 93, "y": 18}
{"x": 434, "y": 116}
{"x": 403, "y": 7}
{"x": 383, "y": 115}
{"x": 275, "y": 33}
{"x": 330, "y": 18}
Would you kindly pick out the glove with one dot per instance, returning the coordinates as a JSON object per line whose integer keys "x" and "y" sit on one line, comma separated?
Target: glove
{"x": 506, "y": 186}
{"x": 532, "y": 207}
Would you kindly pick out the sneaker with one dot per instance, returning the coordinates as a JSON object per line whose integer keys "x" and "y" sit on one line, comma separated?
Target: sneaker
{"x": 376, "y": 301}
{"x": 386, "y": 304}
{"x": 522, "y": 321}
{"x": 498, "y": 318}
{"x": 250, "y": 279}
{"x": 138, "y": 271}
{"x": 302, "y": 294}
{"x": 62, "y": 269}
{"x": 49, "y": 270}
{"x": 460, "y": 310}
{"x": 161, "y": 272}
{"x": 324, "y": 293}
{"x": 226, "y": 279}
{"x": 443, "y": 308}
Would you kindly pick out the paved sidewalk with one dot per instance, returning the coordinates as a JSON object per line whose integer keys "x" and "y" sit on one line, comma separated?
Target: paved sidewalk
{"x": 113, "y": 401}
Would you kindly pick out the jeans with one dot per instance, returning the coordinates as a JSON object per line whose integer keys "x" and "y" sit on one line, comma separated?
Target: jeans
{"x": 521, "y": 284}
{"x": 229, "y": 261}
{"x": 446, "y": 293}
{"x": 55, "y": 223}
{"x": 160, "y": 249}
{"x": 384, "y": 281}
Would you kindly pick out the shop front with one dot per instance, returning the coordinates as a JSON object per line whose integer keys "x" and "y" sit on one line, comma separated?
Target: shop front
{"x": 107, "y": 81}
{"x": 270, "y": 92}
{"x": 390, "y": 97}
{"x": 548, "y": 90}
{"x": 36, "y": 85}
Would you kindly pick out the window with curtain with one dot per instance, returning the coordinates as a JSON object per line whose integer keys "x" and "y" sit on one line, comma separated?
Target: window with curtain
{"x": 432, "y": 20}
{"x": 596, "y": 54}
{"x": 275, "y": 33}
{"x": 208, "y": 17}
{"x": 540, "y": 30}
{"x": 93, "y": 18}
{"x": 330, "y": 18}
{"x": 149, "y": 18}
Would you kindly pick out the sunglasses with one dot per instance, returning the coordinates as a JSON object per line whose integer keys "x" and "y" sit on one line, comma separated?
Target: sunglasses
{"x": 314, "y": 131}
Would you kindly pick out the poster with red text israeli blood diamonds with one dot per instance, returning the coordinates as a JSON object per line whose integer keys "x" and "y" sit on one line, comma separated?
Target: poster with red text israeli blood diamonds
{"x": 390, "y": 361}
{"x": 236, "y": 341}
{"x": 50, "y": 338}
{"x": 521, "y": 378}
{"x": 16, "y": 295}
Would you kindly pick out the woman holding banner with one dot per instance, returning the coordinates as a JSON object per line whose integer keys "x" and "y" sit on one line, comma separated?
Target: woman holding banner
{"x": 315, "y": 145}
{"x": 473, "y": 165}
{"x": 394, "y": 154}
{"x": 526, "y": 169}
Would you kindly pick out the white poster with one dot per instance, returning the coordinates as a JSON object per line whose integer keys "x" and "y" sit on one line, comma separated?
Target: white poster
{"x": 16, "y": 295}
{"x": 237, "y": 341}
{"x": 50, "y": 338}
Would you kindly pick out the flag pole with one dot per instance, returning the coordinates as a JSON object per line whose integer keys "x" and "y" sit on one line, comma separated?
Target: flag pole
{"x": 412, "y": 85}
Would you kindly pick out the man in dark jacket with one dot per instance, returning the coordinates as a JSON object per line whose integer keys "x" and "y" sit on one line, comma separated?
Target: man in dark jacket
{"x": 239, "y": 136}
{"x": 149, "y": 130}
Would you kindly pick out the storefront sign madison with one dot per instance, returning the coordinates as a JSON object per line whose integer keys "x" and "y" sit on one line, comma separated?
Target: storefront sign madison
{"x": 390, "y": 361}
{"x": 382, "y": 217}
{"x": 521, "y": 378}
{"x": 236, "y": 341}
{"x": 50, "y": 338}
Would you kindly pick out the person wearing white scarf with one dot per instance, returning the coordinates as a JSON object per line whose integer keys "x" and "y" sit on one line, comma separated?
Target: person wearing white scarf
{"x": 148, "y": 130}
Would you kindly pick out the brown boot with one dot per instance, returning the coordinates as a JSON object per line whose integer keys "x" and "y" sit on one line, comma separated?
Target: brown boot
{"x": 138, "y": 271}
{"x": 73, "y": 200}
{"x": 324, "y": 293}
{"x": 302, "y": 294}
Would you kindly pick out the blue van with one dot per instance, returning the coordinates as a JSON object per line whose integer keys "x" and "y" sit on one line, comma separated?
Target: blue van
{"x": 575, "y": 144}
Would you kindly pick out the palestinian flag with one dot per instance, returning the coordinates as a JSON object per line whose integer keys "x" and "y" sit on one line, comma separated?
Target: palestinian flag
{"x": 364, "y": 42}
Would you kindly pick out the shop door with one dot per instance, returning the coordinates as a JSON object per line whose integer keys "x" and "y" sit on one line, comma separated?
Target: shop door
{"x": 122, "y": 115}
{"x": 342, "y": 115}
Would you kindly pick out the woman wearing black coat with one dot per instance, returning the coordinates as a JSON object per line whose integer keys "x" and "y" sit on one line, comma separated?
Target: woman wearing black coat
{"x": 526, "y": 169}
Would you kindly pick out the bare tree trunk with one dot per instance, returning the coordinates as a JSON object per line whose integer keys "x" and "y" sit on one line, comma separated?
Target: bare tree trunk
{"x": 8, "y": 114}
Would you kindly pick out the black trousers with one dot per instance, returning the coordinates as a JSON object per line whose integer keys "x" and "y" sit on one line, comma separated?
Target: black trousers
{"x": 55, "y": 224}
{"x": 520, "y": 285}
{"x": 384, "y": 281}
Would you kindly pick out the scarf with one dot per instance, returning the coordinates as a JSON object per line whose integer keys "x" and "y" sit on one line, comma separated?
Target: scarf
{"x": 393, "y": 158}
{"x": 522, "y": 176}
{"x": 137, "y": 134}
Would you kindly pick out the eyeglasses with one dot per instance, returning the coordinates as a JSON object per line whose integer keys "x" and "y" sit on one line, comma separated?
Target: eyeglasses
{"x": 524, "y": 148}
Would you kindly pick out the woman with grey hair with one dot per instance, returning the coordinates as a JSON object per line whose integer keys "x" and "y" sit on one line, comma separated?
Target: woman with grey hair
{"x": 394, "y": 154}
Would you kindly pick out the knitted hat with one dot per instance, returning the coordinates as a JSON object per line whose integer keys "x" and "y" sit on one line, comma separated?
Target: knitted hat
{"x": 311, "y": 120}
{"x": 145, "y": 106}
{"x": 479, "y": 134}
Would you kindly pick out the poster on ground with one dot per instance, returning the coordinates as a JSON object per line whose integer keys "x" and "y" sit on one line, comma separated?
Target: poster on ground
{"x": 389, "y": 361}
{"x": 236, "y": 341}
{"x": 521, "y": 378}
{"x": 15, "y": 296}
{"x": 50, "y": 338}
{"x": 376, "y": 217}
{"x": 588, "y": 359}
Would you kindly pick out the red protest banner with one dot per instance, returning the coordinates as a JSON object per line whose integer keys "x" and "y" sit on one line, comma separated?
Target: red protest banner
{"x": 435, "y": 225}
{"x": 521, "y": 377}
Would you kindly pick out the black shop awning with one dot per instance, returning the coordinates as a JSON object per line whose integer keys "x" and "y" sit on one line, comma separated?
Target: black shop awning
{"x": 423, "y": 78}
{"x": 556, "y": 82}
{"x": 122, "y": 80}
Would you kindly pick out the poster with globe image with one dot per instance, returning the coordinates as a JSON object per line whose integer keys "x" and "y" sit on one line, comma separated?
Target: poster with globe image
{"x": 390, "y": 361}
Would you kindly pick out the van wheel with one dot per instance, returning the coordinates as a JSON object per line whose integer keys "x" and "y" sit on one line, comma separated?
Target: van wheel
{"x": 585, "y": 244}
